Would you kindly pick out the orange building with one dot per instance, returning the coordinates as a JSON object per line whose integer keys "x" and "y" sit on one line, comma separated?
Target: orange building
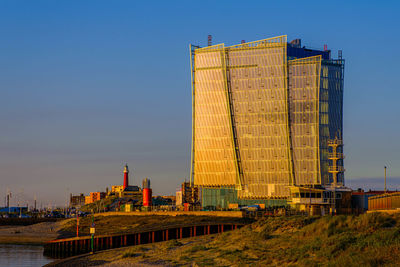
{"x": 94, "y": 196}
{"x": 88, "y": 200}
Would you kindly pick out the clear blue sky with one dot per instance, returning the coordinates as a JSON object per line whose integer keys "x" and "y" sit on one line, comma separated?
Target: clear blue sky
{"x": 88, "y": 85}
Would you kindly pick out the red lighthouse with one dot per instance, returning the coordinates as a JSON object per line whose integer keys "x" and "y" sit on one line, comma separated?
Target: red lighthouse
{"x": 126, "y": 178}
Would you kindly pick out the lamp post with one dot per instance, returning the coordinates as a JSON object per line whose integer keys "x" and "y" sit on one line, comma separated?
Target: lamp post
{"x": 385, "y": 179}
{"x": 92, "y": 231}
{"x": 77, "y": 224}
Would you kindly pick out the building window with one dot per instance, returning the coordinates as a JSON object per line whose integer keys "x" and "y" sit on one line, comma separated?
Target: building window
{"x": 325, "y": 71}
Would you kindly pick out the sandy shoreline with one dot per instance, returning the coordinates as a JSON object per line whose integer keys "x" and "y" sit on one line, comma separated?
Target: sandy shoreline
{"x": 148, "y": 255}
{"x": 35, "y": 234}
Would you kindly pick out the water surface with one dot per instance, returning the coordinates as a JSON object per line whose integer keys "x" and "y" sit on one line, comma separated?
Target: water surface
{"x": 22, "y": 255}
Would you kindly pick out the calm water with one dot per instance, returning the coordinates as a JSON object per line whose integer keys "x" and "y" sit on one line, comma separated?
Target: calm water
{"x": 22, "y": 255}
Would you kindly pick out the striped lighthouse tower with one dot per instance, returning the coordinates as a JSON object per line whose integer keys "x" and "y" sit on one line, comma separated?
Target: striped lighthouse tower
{"x": 126, "y": 178}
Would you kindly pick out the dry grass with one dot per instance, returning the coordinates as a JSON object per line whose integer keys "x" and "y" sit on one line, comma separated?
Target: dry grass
{"x": 366, "y": 240}
{"x": 106, "y": 225}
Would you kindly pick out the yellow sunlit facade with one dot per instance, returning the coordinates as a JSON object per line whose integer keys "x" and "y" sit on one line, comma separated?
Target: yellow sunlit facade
{"x": 257, "y": 119}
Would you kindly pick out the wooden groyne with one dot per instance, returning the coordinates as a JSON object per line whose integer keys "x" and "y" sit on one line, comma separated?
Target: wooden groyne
{"x": 62, "y": 248}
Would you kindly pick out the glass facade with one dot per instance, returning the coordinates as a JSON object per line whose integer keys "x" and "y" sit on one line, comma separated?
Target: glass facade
{"x": 261, "y": 122}
{"x": 334, "y": 98}
{"x": 304, "y": 84}
{"x": 257, "y": 78}
{"x": 221, "y": 198}
{"x": 215, "y": 163}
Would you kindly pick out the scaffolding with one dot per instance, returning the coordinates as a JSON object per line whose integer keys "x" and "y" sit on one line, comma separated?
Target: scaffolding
{"x": 335, "y": 169}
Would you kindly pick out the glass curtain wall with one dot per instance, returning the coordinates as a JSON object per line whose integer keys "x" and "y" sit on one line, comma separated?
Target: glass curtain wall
{"x": 258, "y": 82}
{"x": 244, "y": 97}
{"x": 214, "y": 159}
{"x": 304, "y": 79}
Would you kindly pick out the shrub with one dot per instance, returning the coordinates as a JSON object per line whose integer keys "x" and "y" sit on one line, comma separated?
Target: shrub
{"x": 173, "y": 243}
{"x": 197, "y": 248}
{"x": 130, "y": 255}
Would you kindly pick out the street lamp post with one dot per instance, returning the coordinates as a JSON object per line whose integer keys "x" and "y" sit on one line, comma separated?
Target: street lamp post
{"x": 385, "y": 179}
{"x": 92, "y": 231}
{"x": 77, "y": 224}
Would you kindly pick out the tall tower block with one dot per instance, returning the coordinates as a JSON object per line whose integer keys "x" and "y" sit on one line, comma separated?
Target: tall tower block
{"x": 126, "y": 176}
{"x": 265, "y": 115}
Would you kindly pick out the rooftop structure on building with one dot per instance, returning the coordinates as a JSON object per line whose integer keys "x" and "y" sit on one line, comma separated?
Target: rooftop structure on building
{"x": 267, "y": 121}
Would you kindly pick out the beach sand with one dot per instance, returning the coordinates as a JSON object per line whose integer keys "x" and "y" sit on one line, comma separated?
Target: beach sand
{"x": 32, "y": 234}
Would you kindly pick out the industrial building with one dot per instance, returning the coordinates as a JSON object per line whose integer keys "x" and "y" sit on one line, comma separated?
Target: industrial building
{"x": 14, "y": 210}
{"x": 76, "y": 201}
{"x": 147, "y": 193}
{"x": 386, "y": 201}
{"x": 360, "y": 199}
{"x": 187, "y": 197}
{"x": 267, "y": 123}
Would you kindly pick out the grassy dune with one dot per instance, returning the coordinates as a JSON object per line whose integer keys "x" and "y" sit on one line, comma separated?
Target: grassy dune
{"x": 365, "y": 240}
{"x": 42, "y": 232}
{"x": 109, "y": 225}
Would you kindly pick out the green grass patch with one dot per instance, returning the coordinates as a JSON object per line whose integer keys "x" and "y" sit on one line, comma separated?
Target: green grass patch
{"x": 197, "y": 248}
{"x": 130, "y": 255}
{"x": 173, "y": 244}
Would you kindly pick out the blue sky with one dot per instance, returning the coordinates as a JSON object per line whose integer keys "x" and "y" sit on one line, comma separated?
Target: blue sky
{"x": 88, "y": 85}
